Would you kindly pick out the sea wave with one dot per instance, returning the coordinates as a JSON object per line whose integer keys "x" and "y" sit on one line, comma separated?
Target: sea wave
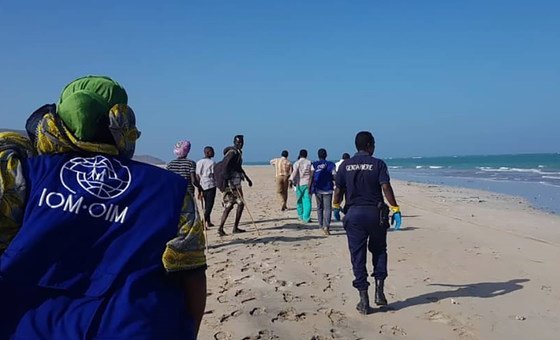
{"x": 395, "y": 167}
{"x": 508, "y": 169}
{"x": 549, "y": 184}
{"x": 551, "y": 177}
{"x": 436, "y": 167}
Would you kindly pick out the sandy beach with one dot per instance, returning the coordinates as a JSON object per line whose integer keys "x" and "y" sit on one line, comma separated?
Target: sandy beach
{"x": 467, "y": 265}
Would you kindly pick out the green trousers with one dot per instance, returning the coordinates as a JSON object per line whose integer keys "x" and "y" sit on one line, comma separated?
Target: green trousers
{"x": 303, "y": 203}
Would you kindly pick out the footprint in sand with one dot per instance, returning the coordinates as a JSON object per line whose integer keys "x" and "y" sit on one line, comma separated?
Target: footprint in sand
{"x": 317, "y": 299}
{"x": 248, "y": 257}
{"x": 223, "y": 262}
{"x": 245, "y": 295}
{"x": 289, "y": 297}
{"x": 546, "y": 288}
{"x": 289, "y": 315}
{"x": 257, "y": 311}
{"x": 241, "y": 279}
{"x": 337, "y": 318}
{"x": 319, "y": 337}
{"x": 267, "y": 271}
{"x": 233, "y": 314}
{"x": 270, "y": 279}
{"x": 245, "y": 267}
{"x": 225, "y": 287}
{"x": 462, "y": 330}
{"x": 283, "y": 283}
{"x": 335, "y": 334}
{"x": 222, "y": 336}
{"x": 219, "y": 272}
{"x": 263, "y": 335}
{"x": 222, "y": 299}
{"x": 395, "y": 330}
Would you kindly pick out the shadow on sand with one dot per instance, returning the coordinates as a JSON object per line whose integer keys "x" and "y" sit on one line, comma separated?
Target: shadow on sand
{"x": 254, "y": 239}
{"x": 270, "y": 220}
{"x": 407, "y": 228}
{"x": 483, "y": 290}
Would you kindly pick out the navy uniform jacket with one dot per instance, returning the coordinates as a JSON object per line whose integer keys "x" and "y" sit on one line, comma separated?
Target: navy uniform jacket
{"x": 361, "y": 177}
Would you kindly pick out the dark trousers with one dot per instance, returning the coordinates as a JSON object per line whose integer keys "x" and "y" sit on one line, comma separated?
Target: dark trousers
{"x": 364, "y": 232}
{"x": 209, "y": 198}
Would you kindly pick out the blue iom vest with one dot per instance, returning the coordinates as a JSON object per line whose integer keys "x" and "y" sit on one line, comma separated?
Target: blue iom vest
{"x": 86, "y": 262}
{"x": 322, "y": 176}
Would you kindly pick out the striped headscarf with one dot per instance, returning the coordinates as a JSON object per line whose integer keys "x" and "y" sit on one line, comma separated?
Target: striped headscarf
{"x": 182, "y": 148}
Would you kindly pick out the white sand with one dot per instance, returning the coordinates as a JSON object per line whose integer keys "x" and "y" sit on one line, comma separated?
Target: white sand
{"x": 468, "y": 265}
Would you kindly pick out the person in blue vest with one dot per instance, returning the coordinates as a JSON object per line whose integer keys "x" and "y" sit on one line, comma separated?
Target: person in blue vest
{"x": 363, "y": 180}
{"x": 322, "y": 185}
{"x": 94, "y": 245}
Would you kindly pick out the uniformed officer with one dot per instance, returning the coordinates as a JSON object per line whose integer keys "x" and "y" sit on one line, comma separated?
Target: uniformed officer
{"x": 363, "y": 179}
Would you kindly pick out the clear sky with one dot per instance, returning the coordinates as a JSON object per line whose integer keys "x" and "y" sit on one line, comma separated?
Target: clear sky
{"x": 448, "y": 77}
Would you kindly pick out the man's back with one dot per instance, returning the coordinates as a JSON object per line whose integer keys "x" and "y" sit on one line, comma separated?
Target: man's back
{"x": 302, "y": 171}
{"x": 184, "y": 167}
{"x": 323, "y": 176}
{"x": 282, "y": 166}
{"x": 205, "y": 170}
{"x": 361, "y": 177}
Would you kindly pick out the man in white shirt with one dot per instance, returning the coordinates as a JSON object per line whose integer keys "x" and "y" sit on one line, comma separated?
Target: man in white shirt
{"x": 301, "y": 178}
{"x": 336, "y": 208}
{"x": 345, "y": 156}
{"x": 205, "y": 175}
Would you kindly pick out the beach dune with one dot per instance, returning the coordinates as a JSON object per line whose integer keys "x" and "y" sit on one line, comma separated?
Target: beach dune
{"x": 467, "y": 265}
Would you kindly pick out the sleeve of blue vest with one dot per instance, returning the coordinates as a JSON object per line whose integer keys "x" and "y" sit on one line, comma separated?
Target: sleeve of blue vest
{"x": 186, "y": 250}
{"x": 14, "y": 150}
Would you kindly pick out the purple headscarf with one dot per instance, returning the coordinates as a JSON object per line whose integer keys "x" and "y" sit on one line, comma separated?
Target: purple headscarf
{"x": 182, "y": 148}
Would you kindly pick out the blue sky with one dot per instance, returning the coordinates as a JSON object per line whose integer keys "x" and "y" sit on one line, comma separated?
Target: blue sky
{"x": 426, "y": 77}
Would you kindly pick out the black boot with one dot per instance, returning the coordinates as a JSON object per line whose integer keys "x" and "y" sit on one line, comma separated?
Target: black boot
{"x": 363, "y": 306}
{"x": 380, "y": 299}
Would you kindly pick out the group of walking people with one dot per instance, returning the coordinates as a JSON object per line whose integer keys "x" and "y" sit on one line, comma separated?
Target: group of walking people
{"x": 77, "y": 259}
{"x": 362, "y": 181}
{"x": 308, "y": 178}
{"x": 205, "y": 177}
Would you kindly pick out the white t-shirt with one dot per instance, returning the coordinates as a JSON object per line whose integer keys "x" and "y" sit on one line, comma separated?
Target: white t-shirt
{"x": 302, "y": 172}
{"x": 205, "y": 170}
{"x": 337, "y": 164}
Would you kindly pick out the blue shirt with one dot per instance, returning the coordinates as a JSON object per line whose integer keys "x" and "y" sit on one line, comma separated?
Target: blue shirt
{"x": 323, "y": 176}
{"x": 361, "y": 177}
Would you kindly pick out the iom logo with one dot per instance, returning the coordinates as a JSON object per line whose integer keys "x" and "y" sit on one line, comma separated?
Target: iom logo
{"x": 99, "y": 176}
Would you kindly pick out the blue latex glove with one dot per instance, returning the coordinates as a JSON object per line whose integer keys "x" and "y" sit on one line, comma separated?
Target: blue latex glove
{"x": 336, "y": 213}
{"x": 396, "y": 220}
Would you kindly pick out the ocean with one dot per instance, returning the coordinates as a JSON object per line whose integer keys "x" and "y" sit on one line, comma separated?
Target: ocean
{"x": 535, "y": 177}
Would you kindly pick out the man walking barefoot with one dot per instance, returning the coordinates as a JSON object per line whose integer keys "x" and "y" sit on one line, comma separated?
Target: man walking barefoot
{"x": 233, "y": 175}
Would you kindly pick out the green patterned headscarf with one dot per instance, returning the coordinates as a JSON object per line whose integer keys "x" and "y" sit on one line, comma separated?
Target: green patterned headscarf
{"x": 84, "y": 106}
{"x": 92, "y": 115}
